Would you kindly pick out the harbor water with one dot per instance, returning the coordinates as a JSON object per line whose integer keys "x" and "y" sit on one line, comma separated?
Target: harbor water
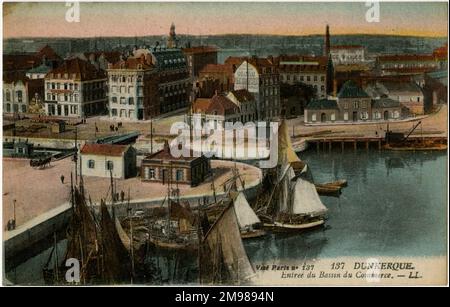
{"x": 395, "y": 205}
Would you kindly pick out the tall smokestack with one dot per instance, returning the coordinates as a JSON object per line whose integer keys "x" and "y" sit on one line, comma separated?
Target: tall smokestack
{"x": 326, "y": 48}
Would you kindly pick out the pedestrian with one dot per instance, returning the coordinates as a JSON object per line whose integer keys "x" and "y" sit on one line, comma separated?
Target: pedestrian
{"x": 62, "y": 179}
{"x": 117, "y": 129}
{"x": 122, "y": 196}
{"x": 96, "y": 129}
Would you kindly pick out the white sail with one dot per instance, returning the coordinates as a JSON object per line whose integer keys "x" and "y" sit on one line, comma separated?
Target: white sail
{"x": 285, "y": 184}
{"x": 305, "y": 199}
{"x": 244, "y": 213}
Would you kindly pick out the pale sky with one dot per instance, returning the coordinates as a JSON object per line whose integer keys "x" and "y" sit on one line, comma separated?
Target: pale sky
{"x": 290, "y": 18}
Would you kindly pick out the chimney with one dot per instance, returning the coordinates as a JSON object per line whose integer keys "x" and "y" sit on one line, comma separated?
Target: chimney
{"x": 166, "y": 146}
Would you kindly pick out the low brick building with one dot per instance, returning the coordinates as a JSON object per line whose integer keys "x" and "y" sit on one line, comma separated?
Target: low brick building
{"x": 162, "y": 167}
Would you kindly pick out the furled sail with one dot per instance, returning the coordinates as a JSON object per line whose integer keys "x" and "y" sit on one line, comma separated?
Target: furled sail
{"x": 244, "y": 213}
{"x": 286, "y": 153}
{"x": 305, "y": 200}
{"x": 225, "y": 245}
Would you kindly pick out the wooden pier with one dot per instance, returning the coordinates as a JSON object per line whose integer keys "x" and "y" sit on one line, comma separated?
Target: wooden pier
{"x": 342, "y": 143}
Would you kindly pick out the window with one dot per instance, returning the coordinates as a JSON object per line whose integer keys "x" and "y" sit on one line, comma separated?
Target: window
{"x": 151, "y": 173}
{"x": 308, "y": 78}
{"x": 418, "y": 99}
{"x": 114, "y": 99}
{"x": 315, "y": 78}
{"x": 123, "y": 100}
{"x": 131, "y": 100}
{"x": 377, "y": 115}
{"x": 19, "y": 96}
{"x": 313, "y": 117}
{"x": 396, "y": 114}
{"x": 355, "y": 104}
{"x": 109, "y": 165}
{"x": 364, "y": 115}
{"x": 333, "y": 117}
{"x": 180, "y": 174}
{"x": 8, "y": 107}
{"x": 113, "y": 112}
{"x": 23, "y": 108}
{"x": 91, "y": 164}
{"x": 322, "y": 78}
{"x": 345, "y": 115}
{"x": 8, "y": 95}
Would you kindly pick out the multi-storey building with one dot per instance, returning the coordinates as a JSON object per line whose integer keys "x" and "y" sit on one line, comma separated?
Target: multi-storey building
{"x": 133, "y": 89}
{"x": 174, "y": 82}
{"x": 198, "y": 57}
{"x": 75, "y": 89}
{"x": 406, "y": 64}
{"x": 246, "y": 103}
{"x": 260, "y": 77}
{"x": 15, "y": 93}
{"x": 347, "y": 54}
{"x": 304, "y": 69}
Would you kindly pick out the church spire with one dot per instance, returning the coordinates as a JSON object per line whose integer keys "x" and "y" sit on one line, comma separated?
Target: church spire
{"x": 172, "y": 41}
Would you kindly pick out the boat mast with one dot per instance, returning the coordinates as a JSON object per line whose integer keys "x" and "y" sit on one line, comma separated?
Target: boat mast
{"x": 131, "y": 238}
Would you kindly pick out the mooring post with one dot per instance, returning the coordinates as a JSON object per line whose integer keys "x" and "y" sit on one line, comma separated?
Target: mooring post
{"x": 367, "y": 145}
{"x": 354, "y": 145}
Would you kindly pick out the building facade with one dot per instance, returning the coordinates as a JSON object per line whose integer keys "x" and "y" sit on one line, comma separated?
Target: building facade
{"x": 133, "y": 89}
{"x": 347, "y": 54}
{"x": 163, "y": 168}
{"x": 198, "y": 57}
{"x": 15, "y": 94}
{"x": 246, "y": 103}
{"x": 174, "y": 81}
{"x": 352, "y": 104}
{"x": 406, "y": 64}
{"x": 217, "y": 110}
{"x": 102, "y": 160}
{"x": 304, "y": 69}
{"x": 260, "y": 77}
{"x": 75, "y": 89}
{"x": 408, "y": 94}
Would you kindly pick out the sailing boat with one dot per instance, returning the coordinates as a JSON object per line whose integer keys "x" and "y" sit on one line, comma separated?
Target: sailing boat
{"x": 247, "y": 219}
{"x": 293, "y": 203}
{"x": 222, "y": 257}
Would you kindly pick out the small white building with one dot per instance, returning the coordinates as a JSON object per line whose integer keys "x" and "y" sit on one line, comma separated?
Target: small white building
{"x": 101, "y": 159}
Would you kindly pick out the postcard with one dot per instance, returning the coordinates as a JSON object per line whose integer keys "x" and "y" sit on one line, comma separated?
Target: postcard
{"x": 225, "y": 143}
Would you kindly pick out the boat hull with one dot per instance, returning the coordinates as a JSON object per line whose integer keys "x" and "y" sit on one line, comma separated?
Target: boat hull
{"x": 253, "y": 234}
{"x": 172, "y": 245}
{"x": 286, "y": 227}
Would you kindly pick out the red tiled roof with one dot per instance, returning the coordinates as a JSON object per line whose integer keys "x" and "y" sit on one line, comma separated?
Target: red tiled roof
{"x": 104, "y": 149}
{"x": 132, "y": 63}
{"x": 14, "y": 76}
{"x": 406, "y": 57}
{"x": 82, "y": 69}
{"x": 201, "y": 105}
{"x": 243, "y": 95}
{"x": 199, "y": 49}
{"x": 14, "y": 62}
{"x": 165, "y": 155}
{"x": 217, "y": 68}
{"x": 222, "y": 105}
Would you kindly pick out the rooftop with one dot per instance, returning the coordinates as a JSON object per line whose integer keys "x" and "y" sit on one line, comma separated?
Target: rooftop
{"x": 385, "y": 102}
{"x": 243, "y": 95}
{"x": 322, "y": 104}
{"x": 406, "y": 57}
{"x": 82, "y": 70}
{"x": 352, "y": 90}
{"x": 104, "y": 149}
